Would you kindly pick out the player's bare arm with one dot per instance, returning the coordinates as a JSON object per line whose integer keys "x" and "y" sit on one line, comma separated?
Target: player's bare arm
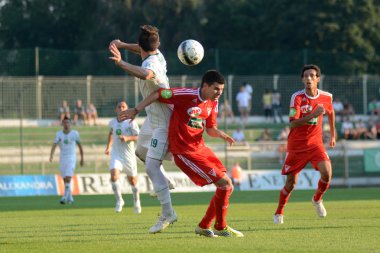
{"x": 299, "y": 122}
{"x": 81, "y": 154}
{"x": 109, "y": 143}
{"x": 216, "y": 133}
{"x": 125, "y": 138}
{"x": 131, "y": 113}
{"x": 134, "y": 48}
{"x": 131, "y": 69}
{"x": 331, "y": 118}
{"x": 52, "y": 151}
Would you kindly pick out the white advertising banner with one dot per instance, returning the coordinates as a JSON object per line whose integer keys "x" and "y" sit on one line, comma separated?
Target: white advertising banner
{"x": 273, "y": 180}
{"x": 251, "y": 181}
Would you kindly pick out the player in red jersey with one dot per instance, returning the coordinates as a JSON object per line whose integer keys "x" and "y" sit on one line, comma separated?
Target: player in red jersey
{"x": 194, "y": 111}
{"x": 305, "y": 143}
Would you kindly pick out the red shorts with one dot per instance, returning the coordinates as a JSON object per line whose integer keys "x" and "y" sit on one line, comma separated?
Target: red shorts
{"x": 202, "y": 168}
{"x": 296, "y": 161}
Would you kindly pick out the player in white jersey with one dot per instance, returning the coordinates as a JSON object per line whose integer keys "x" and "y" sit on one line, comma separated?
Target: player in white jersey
{"x": 67, "y": 139}
{"x": 152, "y": 145}
{"x": 121, "y": 146}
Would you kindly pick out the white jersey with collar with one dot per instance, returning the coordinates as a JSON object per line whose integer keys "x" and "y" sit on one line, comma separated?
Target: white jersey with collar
{"x": 67, "y": 144}
{"x": 123, "y": 150}
{"x": 158, "y": 113}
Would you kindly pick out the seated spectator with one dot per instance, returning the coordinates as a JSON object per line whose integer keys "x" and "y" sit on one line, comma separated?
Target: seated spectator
{"x": 265, "y": 135}
{"x": 338, "y": 108}
{"x": 283, "y": 136}
{"x": 226, "y": 110}
{"x": 372, "y": 107}
{"x": 348, "y": 111}
{"x": 79, "y": 113}
{"x": 92, "y": 114}
{"x": 360, "y": 129}
{"x": 238, "y": 136}
{"x": 63, "y": 111}
{"x": 371, "y": 130}
{"x": 347, "y": 129}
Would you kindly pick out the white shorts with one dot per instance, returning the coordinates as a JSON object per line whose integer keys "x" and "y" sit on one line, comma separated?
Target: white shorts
{"x": 153, "y": 143}
{"x": 66, "y": 168}
{"x": 128, "y": 166}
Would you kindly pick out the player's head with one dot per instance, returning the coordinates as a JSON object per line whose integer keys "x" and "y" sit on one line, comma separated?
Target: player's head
{"x": 66, "y": 123}
{"x": 311, "y": 66}
{"x": 121, "y": 106}
{"x": 149, "y": 39}
{"x": 212, "y": 85}
{"x": 311, "y": 75}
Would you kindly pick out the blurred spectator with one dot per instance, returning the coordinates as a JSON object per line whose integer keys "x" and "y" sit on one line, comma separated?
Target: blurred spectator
{"x": 338, "y": 108}
{"x": 283, "y": 137}
{"x": 238, "y": 136}
{"x": 236, "y": 175}
{"x": 348, "y": 111}
{"x": 360, "y": 129}
{"x": 92, "y": 114}
{"x": 276, "y": 106}
{"x": 267, "y": 104}
{"x": 249, "y": 89}
{"x": 347, "y": 129}
{"x": 265, "y": 135}
{"x": 378, "y": 129}
{"x": 242, "y": 99}
{"x": 371, "y": 130}
{"x": 63, "y": 111}
{"x": 79, "y": 113}
{"x": 226, "y": 110}
{"x": 372, "y": 107}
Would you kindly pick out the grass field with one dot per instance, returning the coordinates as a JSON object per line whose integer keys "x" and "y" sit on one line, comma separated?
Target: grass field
{"x": 40, "y": 224}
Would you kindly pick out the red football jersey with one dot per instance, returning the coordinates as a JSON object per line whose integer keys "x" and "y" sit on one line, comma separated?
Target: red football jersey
{"x": 190, "y": 116}
{"x": 309, "y": 135}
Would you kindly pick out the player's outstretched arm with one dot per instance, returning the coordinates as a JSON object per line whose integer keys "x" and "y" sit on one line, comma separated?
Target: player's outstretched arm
{"x": 216, "y": 133}
{"x": 299, "y": 122}
{"x": 131, "y": 69}
{"x": 131, "y": 113}
{"x": 134, "y": 48}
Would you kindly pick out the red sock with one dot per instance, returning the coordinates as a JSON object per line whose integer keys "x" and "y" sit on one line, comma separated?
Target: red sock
{"x": 322, "y": 188}
{"x": 221, "y": 201}
{"x": 209, "y": 216}
{"x": 284, "y": 197}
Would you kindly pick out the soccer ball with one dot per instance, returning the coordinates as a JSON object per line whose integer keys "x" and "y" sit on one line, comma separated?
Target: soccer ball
{"x": 190, "y": 52}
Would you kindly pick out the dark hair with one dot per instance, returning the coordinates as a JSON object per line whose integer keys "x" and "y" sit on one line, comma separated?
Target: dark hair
{"x": 311, "y": 66}
{"x": 212, "y": 76}
{"x": 65, "y": 118}
{"x": 149, "y": 40}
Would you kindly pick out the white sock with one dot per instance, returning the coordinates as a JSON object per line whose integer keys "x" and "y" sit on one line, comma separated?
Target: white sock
{"x": 166, "y": 203}
{"x": 67, "y": 190}
{"x": 166, "y": 174}
{"x": 136, "y": 194}
{"x": 116, "y": 190}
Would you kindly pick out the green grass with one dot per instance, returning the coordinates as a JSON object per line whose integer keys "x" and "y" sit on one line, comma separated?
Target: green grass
{"x": 40, "y": 224}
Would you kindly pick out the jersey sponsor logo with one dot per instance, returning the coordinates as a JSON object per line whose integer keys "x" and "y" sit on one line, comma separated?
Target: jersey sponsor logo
{"x": 118, "y": 131}
{"x": 292, "y": 112}
{"x": 194, "y": 111}
{"x": 166, "y": 94}
{"x": 195, "y": 123}
{"x": 306, "y": 108}
{"x": 212, "y": 173}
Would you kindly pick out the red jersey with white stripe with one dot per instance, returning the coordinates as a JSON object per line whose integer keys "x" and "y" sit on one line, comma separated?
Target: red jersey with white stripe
{"x": 309, "y": 135}
{"x": 190, "y": 116}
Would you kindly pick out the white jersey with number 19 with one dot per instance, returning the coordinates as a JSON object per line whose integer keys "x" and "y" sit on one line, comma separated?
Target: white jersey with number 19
{"x": 157, "y": 113}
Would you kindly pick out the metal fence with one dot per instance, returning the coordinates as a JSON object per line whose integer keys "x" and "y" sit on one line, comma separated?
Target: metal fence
{"x": 40, "y": 97}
